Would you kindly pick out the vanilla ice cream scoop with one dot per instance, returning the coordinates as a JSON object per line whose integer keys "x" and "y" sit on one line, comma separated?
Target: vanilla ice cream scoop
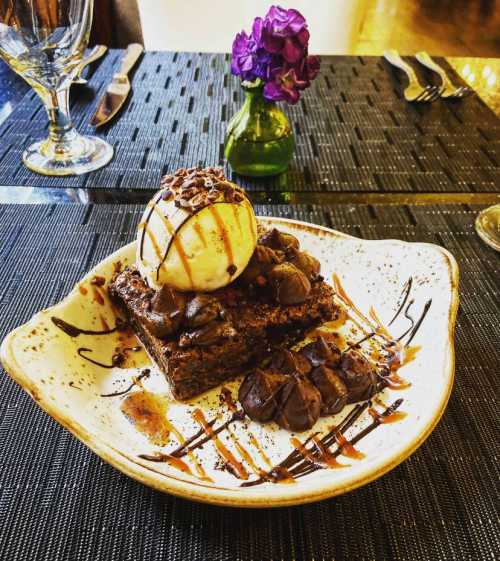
{"x": 198, "y": 233}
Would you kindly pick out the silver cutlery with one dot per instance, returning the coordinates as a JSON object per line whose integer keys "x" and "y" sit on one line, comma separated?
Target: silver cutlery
{"x": 118, "y": 89}
{"x": 449, "y": 89}
{"x": 96, "y": 53}
{"x": 414, "y": 91}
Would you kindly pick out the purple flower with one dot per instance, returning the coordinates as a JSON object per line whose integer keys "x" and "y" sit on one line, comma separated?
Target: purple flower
{"x": 312, "y": 64}
{"x": 285, "y": 32}
{"x": 285, "y": 85}
{"x": 276, "y": 52}
{"x": 244, "y": 54}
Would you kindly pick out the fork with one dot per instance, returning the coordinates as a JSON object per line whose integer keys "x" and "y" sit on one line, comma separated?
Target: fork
{"x": 414, "y": 91}
{"x": 449, "y": 90}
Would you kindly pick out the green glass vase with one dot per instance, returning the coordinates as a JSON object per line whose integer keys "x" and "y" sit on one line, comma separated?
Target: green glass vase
{"x": 259, "y": 139}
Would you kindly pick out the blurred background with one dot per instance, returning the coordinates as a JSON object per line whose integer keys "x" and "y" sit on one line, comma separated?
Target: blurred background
{"x": 444, "y": 27}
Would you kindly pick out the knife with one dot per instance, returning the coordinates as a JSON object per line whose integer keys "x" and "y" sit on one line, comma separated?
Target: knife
{"x": 96, "y": 53}
{"x": 118, "y": 90}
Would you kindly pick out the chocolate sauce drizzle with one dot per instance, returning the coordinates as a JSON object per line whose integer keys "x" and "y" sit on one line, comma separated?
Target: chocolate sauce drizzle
{"x": 135, "y": 381}
{"x": 405, "y": 295}
{"x": 191, "y": 443}
{"x": 116, "y": 359}
{"x": 74, "y": 331}
{"x": 145, "y": 224}
{"x": 315, "y": 452}
{"x": 292, "y": 465}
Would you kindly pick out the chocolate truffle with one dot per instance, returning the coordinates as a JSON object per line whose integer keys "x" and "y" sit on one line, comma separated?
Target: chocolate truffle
{"x": 333, "y": 391}
{"x": 359, "y": 375}
{"x": 299, "y": 404}
{"x": 202, "y": 309}
{"x": 163, "y": 313}
{"x": 321, "y": 352}
{"x": 279, "y": 240}
{"x": 290, "y": 285}
{"x": 258, "y": 394}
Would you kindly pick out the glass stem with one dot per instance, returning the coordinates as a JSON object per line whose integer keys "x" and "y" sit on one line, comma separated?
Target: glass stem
{"x": 62, "y": 133}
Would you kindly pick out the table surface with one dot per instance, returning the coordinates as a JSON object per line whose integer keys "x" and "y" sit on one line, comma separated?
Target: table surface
{"x": 357, "y": 138}
{"x": 59, "y": 501}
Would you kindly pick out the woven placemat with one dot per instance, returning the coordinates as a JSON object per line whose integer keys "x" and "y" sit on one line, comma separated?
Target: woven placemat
{"x": 59, "y": 501}
{"x": 354, "y": 130}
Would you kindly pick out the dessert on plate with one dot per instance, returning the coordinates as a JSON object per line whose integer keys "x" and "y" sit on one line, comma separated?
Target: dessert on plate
{"x": 213, "y": 293}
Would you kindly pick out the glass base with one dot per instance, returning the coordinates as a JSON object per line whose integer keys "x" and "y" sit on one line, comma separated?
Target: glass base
{"x": 78, "y": 155}
{"x": 488, "y": 226}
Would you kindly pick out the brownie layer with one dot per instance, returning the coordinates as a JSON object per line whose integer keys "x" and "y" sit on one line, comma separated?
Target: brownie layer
{"x": 256, "y": 325}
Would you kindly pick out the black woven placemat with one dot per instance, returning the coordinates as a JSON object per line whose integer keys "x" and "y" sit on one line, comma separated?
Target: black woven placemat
{"x": 59, "y": 501}
{"x": 354, "y": 131}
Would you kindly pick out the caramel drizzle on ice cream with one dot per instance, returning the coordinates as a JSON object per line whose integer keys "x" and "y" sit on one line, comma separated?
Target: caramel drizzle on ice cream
{"x": 223, "y": 234}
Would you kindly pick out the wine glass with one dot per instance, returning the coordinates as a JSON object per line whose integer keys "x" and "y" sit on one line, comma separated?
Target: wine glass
{"x": 44, "y": 41}
{"x": 488, "y": 226}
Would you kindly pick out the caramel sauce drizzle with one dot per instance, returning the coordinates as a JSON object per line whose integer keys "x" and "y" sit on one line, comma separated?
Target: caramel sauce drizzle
{"x": 245, "y": 454}
{"x": 347, "y": 448}
{"x": 279, "y": 474}
{"x": 342, "y": 294}
{"x": 98, "y": 296}
{"x": 176, "y": 463}
{"x": 223, "y": 234}
{"x": 147, "y": 412}
{"x": 154, "y": 243}
{"x": 254, "y": 442}
{"x": 303, "y": 451}
{"x": 296, "y": 466}
{"x": 144, "y": 225}
{"x": 164, "y": 219}
{"x": 199, "y": 232}
{"x": 202, "y": 474}
{"x": 395, "y": 382}
{"x": 236, "y": 467}
{"x": 410, "y": 354}
{"x": 104, "y": 322}
{"x": 380, "y": 326}
{"x": 392, "y": 418}
{"x": 326, "y": 456}
{"x": 175, "y": 241}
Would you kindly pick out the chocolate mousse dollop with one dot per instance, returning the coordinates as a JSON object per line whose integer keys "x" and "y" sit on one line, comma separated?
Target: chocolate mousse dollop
{"x": 320, "y": 352}
{"x": 316, "y": 380}
{"x": 278, "y": 240}
{"x": 359, "y": 375}
{"x": 308, "y": 264}
{"x": 289, "y": 362}
{"x": 299, "y": 405}
{"x": 262, "y": 261}
{"x": 209, "y": 334}
{"x": 202, "y": 309}
{"x": 334, "y": 394}
{"x": 163, "y": 312}
{"x": 258, "y": 394}
{"x": 290, "y": 285}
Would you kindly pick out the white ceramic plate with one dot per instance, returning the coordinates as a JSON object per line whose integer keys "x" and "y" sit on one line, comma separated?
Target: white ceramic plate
{"x": 45, "y": 362}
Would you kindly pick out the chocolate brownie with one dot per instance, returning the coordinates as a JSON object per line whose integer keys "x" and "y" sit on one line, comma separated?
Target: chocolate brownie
{"x": 219, "y": 335}
{"x": 200, "y": 340}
